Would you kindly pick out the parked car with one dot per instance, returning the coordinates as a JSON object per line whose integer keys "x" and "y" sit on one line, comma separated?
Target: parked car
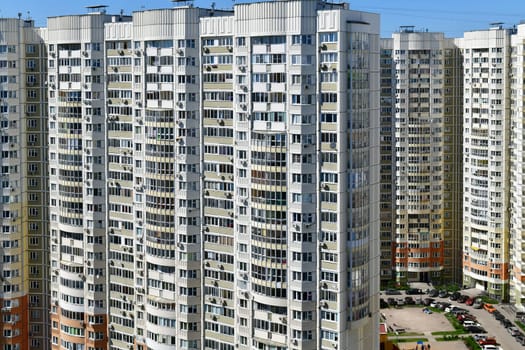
{"x": 487, "y": 341}
{"x": 450, "y": 308}
{"x": 428, "y": 301}
{"x": 478, "y": 337}
{"x": 459, "y": 311}
{"x": 414, "y": 291}
{"x": 514, "y": 331}
{"x": 433, "y": 293}
{"x": 443, "y": 294}
{"x": 469, "y": 301}
{"x": 506, "y": 323}
{"x": 434, "y": 304}
{"x": 391, "y": 301}
{"x": 427, "y": 310}
{"x": 393, "y": 292}
{"x": 520, "y": 339}
{"x": 462, "y": 299}
{"x": 478, "y": 304}
{"x": 469, "y": 323}
{"x": 454, "y": 296}
{"x": 499, "y": 317}
{"x": 466, "y": 317}
{"x": 475, "y": 329}
{"x": 383, "y": 304}
{"x": 443, "y": 305}
{"x": 490, "y": 347}
{"x": 489, "y": 308}
{"x": 400, "y": 302}
{"x": 409, "y": 300}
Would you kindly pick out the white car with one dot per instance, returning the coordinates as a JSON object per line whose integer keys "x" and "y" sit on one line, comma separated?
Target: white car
{"x": 491, "y": 347}
{"x": 450, "y": 308}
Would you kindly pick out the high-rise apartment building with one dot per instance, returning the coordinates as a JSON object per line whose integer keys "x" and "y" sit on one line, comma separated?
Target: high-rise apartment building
{"x": 24, "y": 268}
{"x": 387, "y": 170}
{"x": 426, "y": 164}
{"x": 486, "y": 155}
{"x": 516, "y": 146}
{"x": 80, "y": 257}
{"x": 214, "y": 178}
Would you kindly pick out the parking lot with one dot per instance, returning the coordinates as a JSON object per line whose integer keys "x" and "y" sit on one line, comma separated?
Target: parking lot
{"x": 415, "y": 322}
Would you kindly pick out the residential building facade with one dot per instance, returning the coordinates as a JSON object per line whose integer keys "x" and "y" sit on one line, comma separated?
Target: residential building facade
{"x": 214, "y": 178}
{"x": 486, "y": 159}
{"x": 387, "y": 171}
{"x": 25, "y": 269}
{"x": 516, "y": 239}
{"x": 426, "y": 163}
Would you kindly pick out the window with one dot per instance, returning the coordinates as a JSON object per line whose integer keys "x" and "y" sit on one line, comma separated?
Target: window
{"x": 301, "y": 39}
{"x": 329, "y": 37}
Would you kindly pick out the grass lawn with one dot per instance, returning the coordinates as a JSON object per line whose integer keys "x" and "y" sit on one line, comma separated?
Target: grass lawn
{"x": 449, "y": 338}
{"x": 454, "y": 322}
{"x": 520, "y": 324}
{"x": 488, "y": 300}
{"x": 456, "y": 332}
{"x": 408, "y": 340}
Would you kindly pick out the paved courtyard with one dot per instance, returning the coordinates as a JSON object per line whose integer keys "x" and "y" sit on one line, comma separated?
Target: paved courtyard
{"x": 416, "y": 321}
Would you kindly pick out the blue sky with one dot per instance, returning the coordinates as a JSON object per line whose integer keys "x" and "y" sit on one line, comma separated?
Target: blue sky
{"x": 450, "y": 16}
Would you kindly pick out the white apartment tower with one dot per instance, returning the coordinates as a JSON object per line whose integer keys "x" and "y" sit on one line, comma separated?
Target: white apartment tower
{"x": 486, "y": 155}
{"x": 517, "y": 172}
{"x": 79, "y": 211}
{"x": 214, "y": 178}
{"x": 427, "y": 160}
{"x": 24, "y": 267}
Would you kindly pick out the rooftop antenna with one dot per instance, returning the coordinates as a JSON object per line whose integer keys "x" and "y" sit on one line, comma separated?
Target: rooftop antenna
{"x": 212, "y": 9}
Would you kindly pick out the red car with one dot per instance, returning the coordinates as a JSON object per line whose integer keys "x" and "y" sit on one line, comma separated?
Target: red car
{"x": 487, "y": 341}
{"x": 469, "y": 301}
{"x": 462, "y": 318}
